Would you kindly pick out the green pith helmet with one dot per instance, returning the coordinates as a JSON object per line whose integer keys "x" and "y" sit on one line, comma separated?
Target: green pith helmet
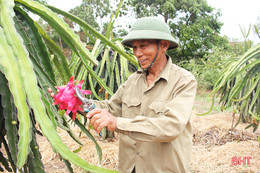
{"x": 150, "y": 28}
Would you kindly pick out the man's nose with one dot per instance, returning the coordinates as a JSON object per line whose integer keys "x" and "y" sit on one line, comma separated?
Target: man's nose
{"x": 138, "y": 52}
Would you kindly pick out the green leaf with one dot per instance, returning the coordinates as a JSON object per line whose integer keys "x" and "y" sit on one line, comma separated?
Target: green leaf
{"x": 28, "y": 83}
{"x": 35, "y": 164}
{"x": 68, "y": 165}
{"x": 94, "y": 32}
{"x": 59, "y": 59}
{"x": 40, "y": 52}
{"x": 247, "y": 127}
{"x": 51, "y": 113}
{"x": 44, "y": 74}
{"x": 83, "y": 128}
{"x": 69, "y": 131}
{"x": 66, "y": 33}
{"x": 118, "y": 79}
{"x": 100, "y": 81}
{"x": 92, "y": 88}
{"x": 13, "y": 75}
{"x": 77, "y": 150}
{"x": 9, "y": 114}
{"x": 103, "y": 61}
{"x": 252, "y": 88}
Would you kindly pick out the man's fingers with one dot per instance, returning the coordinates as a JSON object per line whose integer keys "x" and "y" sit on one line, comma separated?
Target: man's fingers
{"x": 93, "y": 112}
{"x": 100, "y": 118}
{"x": 97, "y": 124}
{"x": 93, "y": 119}
{"x": 90, "y": 114}
{"x": 101, "y": 126}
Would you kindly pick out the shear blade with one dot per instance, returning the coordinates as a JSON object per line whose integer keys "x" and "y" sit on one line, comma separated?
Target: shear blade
{"x": 80, "y": 95}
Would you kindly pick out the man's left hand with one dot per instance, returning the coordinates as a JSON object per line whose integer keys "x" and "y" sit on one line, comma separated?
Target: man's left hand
{"x": 100, "y": 118}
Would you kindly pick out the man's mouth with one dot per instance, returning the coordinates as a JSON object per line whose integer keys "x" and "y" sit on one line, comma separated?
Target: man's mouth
{"x": 142, "y": 61}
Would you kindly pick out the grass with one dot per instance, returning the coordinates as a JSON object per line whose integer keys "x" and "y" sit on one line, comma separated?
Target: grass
{"x": 203, "y": 103}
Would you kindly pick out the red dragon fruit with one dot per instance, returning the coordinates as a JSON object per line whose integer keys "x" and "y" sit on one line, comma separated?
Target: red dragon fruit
{"x": 67, "y": 99}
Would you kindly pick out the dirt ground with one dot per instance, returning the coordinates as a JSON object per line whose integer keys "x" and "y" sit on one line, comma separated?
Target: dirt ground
{"x": 214, "y": 146}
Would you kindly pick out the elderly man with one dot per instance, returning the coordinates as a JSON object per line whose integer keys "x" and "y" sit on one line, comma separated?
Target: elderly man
{"x": 151, "y": 111}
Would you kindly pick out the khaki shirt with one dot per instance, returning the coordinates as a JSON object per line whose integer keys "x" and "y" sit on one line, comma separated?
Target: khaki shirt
{"x": 154, "y": 122}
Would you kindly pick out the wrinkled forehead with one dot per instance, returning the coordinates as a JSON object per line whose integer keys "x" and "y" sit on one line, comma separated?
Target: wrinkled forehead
{"x": 147, "y": 41}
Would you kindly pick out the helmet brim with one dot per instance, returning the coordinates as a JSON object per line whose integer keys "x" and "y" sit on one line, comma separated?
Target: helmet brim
{"x": 148, "y": 34}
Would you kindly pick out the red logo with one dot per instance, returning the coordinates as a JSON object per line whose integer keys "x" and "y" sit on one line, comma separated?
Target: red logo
{"x": 239, "y": 160}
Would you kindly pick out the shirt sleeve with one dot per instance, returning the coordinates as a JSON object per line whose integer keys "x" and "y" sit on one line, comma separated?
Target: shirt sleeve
{"x": 114, "y": 104}
{"x": 171, "y": 120}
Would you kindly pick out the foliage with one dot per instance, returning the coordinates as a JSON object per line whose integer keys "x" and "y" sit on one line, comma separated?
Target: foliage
{"x": 238, "y": 86}
{"x": 113, "y": 68}
{"x": 207, "y": 69}
{"x": 90, "y": 11}
{"x": 238, "y": 81}
{"x": 30, "y": 63}
{"x": 101, "y": 52}
{"x": 52, "y": 33}
{"x": 213, "y": 65}
{"x": 192, "y": 21}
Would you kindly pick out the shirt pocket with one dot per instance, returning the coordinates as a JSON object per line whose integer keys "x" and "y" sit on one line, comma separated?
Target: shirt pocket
{"x": 131, "y": 106}
{"x": 157, "y": 108}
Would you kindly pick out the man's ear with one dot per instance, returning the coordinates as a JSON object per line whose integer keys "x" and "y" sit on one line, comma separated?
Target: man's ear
{"x": 165, "y": 44}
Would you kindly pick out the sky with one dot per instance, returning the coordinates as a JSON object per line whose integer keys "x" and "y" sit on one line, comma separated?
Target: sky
{"x": 234, "y": 13}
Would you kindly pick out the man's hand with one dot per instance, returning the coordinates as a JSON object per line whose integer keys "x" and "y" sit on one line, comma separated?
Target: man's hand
{"x": 100, "y": 118}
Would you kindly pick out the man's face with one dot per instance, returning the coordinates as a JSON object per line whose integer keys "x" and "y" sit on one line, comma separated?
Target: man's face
{"x": 144, "y": 51}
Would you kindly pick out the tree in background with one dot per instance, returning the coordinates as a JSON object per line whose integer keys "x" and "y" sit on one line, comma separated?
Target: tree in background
{"x": 92, "y": 12}
{"x": 194, "y": 22}
{"x": 97, "y": 14}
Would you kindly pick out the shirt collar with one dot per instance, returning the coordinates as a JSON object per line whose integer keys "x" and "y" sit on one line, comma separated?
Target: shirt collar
{"x": 164, "y": 73}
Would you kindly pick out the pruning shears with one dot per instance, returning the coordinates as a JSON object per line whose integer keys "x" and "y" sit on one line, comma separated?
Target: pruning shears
{"x": 87, "y": 105}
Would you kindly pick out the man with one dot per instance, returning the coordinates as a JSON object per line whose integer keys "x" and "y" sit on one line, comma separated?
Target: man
{"x": 151, "y": 111}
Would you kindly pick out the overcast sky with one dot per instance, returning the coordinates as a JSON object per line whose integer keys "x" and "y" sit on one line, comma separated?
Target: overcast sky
{"x": 234, "y": 13}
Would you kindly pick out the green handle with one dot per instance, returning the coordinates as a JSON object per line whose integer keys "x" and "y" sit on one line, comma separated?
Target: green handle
{"x": 90, "y": 109}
